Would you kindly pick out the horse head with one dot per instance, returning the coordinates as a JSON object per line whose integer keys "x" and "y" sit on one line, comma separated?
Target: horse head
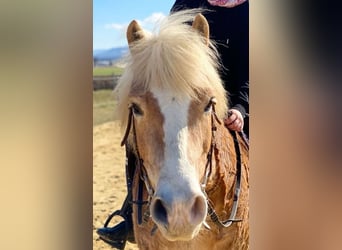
{"x": 170, "y": 85}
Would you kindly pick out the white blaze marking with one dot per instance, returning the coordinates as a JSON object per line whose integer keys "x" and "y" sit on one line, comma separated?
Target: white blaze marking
{"x": 176, "y": 167}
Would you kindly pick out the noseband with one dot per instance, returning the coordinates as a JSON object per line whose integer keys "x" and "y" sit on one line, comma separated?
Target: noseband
{"x": 143, "y": 177}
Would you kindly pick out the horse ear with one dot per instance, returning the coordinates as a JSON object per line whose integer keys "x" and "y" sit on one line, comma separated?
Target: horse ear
{"x": 134, "y": 32}
{"x": 201, "y": 25}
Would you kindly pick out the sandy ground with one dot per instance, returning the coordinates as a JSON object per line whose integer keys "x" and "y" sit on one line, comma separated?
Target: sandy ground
{"x": 109, "y": 185}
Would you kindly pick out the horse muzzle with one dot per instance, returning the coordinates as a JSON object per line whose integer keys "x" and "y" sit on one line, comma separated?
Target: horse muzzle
{"x": 179, "y": 217}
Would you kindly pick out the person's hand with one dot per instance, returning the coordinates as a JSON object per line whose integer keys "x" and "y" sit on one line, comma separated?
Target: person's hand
{"x": 234, "y": 121}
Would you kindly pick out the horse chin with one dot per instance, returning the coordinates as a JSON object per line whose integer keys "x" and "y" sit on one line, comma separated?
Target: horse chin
{"x": 180, "y": 236}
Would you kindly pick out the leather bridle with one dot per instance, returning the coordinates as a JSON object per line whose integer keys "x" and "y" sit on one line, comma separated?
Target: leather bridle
{"x": 143, "y": 177}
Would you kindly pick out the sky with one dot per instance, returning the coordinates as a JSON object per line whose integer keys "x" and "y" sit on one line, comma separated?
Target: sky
{"x": 111, "y": 18}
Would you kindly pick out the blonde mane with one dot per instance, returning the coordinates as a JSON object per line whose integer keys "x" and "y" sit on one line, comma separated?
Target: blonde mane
{"x": 176, "y": 58}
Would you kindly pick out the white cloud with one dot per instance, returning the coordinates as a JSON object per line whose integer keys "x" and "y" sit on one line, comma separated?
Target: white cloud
{"x": 116, "y": 26}
{"x": 147, "y": 23}
{"x": 153, "y": 19}
{"x": 119, "y": 29}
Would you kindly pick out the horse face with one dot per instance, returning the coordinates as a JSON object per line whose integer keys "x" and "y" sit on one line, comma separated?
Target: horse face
{"x": 173, "y": 136}
{"x": 173, "y": 129}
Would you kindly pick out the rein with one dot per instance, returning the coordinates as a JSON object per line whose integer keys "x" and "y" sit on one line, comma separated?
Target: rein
{"x": 140, "y": 170}
{"x": 211, "y": 211}
{"x": 143, "y": 178}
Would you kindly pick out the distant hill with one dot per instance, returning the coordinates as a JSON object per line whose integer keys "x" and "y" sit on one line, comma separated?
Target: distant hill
{"x": 112, "y": 54}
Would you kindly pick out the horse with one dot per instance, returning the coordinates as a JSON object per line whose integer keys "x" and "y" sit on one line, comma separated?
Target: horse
{"x": 190, "y": 188}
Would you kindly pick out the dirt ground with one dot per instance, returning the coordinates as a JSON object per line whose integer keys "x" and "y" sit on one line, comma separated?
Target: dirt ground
{"x": 109, "y": 185}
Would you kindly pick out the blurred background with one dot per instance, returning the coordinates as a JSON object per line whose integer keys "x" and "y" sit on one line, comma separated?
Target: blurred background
{"x": 110, "y": 22}
{"x": 46, "y": 98}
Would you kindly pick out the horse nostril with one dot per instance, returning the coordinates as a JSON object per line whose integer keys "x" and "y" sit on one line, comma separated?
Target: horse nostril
{"x": 198, "y": 209}
{"x": 159, "y": 211}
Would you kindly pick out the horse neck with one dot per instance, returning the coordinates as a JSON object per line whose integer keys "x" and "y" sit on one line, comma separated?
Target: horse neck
{"x": 220, "y": 188}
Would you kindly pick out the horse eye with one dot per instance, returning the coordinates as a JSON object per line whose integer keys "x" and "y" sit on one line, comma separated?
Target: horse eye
{"x": 136, "y": 109}
{"x": 208, "y": 107}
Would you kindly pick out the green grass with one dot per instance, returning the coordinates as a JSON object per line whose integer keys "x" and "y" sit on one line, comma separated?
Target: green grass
{"x": 107, "y": 71}
{"x": 103, "y": 106}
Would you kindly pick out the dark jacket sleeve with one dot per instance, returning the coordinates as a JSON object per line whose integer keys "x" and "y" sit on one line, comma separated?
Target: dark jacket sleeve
{"x": 185, "y": 4}
{"x": 230, "y": 30}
